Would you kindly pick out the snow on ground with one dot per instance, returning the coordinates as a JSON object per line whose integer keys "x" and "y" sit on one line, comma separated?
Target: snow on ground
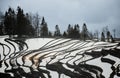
{"x": 37, "y": 43}
{"x": 47, "y": 51}
{"x": 107, "y": 67}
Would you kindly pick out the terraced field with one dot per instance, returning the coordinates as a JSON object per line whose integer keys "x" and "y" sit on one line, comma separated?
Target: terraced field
{"x": 58, "y": 58}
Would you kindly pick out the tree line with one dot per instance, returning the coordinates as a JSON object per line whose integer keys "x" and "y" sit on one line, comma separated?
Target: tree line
{"x": 16, "y": 23}
{"x": 29, "y": 25}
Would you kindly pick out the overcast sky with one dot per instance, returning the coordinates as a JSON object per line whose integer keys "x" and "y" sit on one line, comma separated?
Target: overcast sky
{"x": 95, "y": 13}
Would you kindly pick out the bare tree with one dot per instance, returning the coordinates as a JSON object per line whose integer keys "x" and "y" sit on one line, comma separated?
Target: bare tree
{"x": 1, "y": 16}
{"x": 36, "y": 24}
{"x": 96, "y": 34}
{"x": 105, "y": 30}
{"x": 114, "y": 32}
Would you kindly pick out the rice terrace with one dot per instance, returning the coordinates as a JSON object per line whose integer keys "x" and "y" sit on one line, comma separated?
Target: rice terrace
{"x": 59, "y": 58}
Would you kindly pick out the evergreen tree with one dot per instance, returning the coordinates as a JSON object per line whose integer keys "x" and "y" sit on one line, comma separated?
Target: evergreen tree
{"x": 108, "y": 36}
{"x": 24, "y": 26}
{"x": 84, "y": 32}
{"x": 1, "y": 28}
{"x": 21, "y": 29}
{"x": 73, "y": 32}
{"x": 102, "y": 37}
{"x": 1, "y": 23}
{"x": 76, "y": 32}
{"x": 57, "y": 31}
{"x": 69, "y": 31}
{"x": 64, "y": 34}
{"x": 10, "y": 22}
{"x": 112, "y": 40}
{"x": 44, "y": 28}
{"x": 28, "y": 26}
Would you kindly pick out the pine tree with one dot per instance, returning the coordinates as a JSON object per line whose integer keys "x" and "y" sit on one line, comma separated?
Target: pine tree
{"x": 73, "y": 32}
{"x": 69, "y": 31}
{"x": 1, "y": 28}
{"x": 84, "y": 32}
{"x": 57, "y": 31}
{"x": 108, "y": 36}
{"x": 21, "y": 30}
{"x": 64, "y": 34}
{"x": 44, "y": 28}
{"x": 102, "y": 37}
{"x": 112, "y": 40}
{"x": 10, "y": 22}
{"x": 76, "y": 31}
{"x": 30, "y": 31}
{"x": 24, "y": 26}
{"x": 1, "y": 23}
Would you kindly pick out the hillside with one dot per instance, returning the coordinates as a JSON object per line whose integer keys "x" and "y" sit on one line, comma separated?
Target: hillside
{"x": 59, "y": 58}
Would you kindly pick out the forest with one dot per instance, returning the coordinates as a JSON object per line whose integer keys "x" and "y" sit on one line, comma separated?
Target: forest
{"x": 20, "y": 24}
